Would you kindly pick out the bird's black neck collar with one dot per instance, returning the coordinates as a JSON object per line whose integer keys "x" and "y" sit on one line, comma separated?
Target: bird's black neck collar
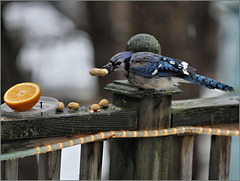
{"x": 127, "y": 66}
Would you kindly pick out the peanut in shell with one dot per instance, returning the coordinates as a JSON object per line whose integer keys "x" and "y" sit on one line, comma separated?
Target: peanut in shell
{"x": 98, "y": 72}
{"x": 60, "y": 106}
{"x": 73, "y": 106}
{"x": 104, "y": 103}
{"x": 94, "y": 107}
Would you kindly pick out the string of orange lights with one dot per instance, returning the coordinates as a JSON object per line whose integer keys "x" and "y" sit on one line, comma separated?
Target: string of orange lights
{"x": 120, "y": 134}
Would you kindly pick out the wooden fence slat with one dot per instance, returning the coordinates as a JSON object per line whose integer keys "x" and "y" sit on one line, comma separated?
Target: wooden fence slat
{"x": 181, "y": 157}
{"x": 220, "y": 158}
{"x": 208, "y": 111}
{"x": 9, "y": 170}
{"x": 68, "y": 123}
{"x": 91, "y": 161}
{"x": 49, "y": 165}
{"x": 186, "y": 157}
{"x": 174, "y": 157}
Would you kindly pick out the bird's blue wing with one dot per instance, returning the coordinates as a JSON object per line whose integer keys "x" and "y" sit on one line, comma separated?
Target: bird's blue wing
{"x": 177, "y": 63}
{"x": 148, "y": 65}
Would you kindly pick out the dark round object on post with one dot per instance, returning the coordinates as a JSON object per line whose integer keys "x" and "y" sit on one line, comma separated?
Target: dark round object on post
{"x": 143, "y": 43}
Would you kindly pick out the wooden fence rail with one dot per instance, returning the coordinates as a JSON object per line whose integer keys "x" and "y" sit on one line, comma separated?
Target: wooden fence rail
{"x": 159, "y": 158}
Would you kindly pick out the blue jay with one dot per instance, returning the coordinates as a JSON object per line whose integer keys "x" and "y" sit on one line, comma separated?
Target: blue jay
{"x": 152, "y": 71}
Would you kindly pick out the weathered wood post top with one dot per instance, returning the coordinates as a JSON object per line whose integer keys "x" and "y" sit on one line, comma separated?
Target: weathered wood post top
{"x": 124, "y": 87}
{"x": 127, "y": 95}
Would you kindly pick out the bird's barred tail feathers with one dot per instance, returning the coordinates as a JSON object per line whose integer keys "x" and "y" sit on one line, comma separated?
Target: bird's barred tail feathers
{"x": 207, "y": 82}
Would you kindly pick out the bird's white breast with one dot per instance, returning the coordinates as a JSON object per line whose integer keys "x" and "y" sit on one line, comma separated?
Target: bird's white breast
{"x": 156, "y": 83}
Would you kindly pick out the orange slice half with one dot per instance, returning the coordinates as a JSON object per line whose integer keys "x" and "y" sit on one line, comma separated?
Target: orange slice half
{"x": 22, "y": 96}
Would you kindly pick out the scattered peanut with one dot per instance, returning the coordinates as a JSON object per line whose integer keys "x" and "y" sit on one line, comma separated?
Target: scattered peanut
{"x": 73, "y": 106}
{"x": 104, "y": 103}
{"x": 98, "y": 72}
{"x": 94, "y": 107}
{"x": 91, "y": 111}
{"x": 60, "y": 106}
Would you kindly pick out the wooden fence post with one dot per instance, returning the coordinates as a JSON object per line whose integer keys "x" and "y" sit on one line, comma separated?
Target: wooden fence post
{"x": 49, "y": 165}
{"x": 145, "y": 158}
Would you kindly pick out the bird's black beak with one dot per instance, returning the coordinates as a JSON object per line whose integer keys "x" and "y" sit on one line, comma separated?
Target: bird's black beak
{"x": 109, "y": 67}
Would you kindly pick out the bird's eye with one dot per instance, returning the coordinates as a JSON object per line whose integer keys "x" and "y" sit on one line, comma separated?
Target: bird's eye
{"x": 118, "y": 63}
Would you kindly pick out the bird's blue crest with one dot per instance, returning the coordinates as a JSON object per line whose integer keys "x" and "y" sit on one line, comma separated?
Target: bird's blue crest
{"x": 120, "y": 57}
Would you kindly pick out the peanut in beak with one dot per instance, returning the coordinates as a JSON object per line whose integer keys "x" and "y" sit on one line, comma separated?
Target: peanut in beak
{"x": 98, "y": 72}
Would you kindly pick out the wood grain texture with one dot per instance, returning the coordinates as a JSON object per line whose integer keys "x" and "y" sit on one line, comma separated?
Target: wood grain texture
{"x": 186, "y": 157}
{"x": 91, "y": 161}
{"x": 174, "y": 157}
{"x": 23, "y": 144}
{"x": 124, "y": 87}
{"x": 220, "y": 158}
{"x": 49, "y": 166}
{"x": 188, "y": 112}
{"x": 68, "y": 123}
{"x": 209, "y": 111}
{"x": 181, "y": 157}
{"x": 145, "y": 158}
{"x": 9, "y": 170}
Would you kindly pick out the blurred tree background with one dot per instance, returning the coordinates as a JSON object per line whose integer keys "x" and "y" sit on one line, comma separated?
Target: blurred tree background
{"x": 186, "y": 30}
